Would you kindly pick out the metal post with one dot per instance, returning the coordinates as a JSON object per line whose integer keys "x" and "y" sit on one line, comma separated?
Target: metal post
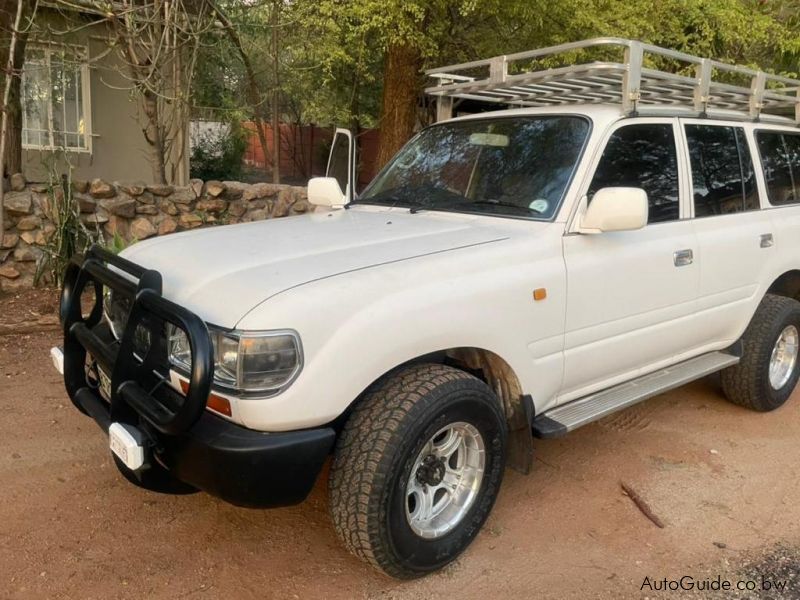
{"x": 498, "y": 69}
{"x": 703, "y": 87}
{"x": 444, "y": 108}
{"x": 632, "y": 81}
{"x": 757, "y": 95}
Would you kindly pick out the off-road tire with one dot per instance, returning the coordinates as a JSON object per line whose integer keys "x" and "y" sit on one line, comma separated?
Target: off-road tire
{"x": 376, "y": 451}
{"x": 747, "y": 383}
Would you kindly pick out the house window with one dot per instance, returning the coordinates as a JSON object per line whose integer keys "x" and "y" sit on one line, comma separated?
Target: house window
{"x": 55, "y": 99}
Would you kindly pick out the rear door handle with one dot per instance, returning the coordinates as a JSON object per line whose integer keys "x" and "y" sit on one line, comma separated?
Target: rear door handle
{"x": 683, "y": 258}
{"x": 767, "y": 240}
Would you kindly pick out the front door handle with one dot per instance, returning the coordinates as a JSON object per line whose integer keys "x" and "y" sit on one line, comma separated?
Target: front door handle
{"x": 767, "y": 240}
{"x": 683, "y": 258}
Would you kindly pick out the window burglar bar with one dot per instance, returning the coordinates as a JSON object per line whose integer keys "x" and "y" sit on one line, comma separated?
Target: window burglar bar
{"x": 55, "y": 90}
{"x": 640, "y": 83}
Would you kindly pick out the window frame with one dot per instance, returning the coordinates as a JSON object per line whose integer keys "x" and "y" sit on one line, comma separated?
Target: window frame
{"x": 755, "y": 159}
{"x": 86, "y": 100}
{"x": 681, "y": 158}
{"x": 762, "y": 173}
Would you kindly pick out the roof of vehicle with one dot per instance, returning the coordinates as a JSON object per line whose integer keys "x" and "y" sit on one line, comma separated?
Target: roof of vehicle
{"x": 648, "y": 80}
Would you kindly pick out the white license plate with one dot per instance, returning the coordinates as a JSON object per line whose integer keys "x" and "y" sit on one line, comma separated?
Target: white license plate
{"x": 125, "y": 442}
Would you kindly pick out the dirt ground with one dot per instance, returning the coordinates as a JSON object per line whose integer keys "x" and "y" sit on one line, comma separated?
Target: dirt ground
{"x": 723, "y": 480}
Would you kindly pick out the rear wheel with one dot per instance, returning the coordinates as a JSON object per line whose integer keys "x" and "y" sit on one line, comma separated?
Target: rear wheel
{"x": 770, "y": 366}
{"x": 417, "y": 469}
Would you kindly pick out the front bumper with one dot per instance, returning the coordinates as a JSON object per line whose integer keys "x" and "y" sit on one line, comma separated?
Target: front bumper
{"x": 183, "y": 442}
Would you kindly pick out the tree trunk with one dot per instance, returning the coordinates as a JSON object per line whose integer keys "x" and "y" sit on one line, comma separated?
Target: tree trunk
{"x": 12, "y": 162}
{"x": 154, "y": 138}
{"x": 401, "y": 81}
{"x": 253, "y": 91}
{"x": 276, "y": 122}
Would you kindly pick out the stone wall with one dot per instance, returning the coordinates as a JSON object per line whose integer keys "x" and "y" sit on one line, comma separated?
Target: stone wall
{"x": 134, "y": 210}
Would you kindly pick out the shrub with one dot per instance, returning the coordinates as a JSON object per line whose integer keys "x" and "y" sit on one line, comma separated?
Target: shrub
{"x": 219, "y": 155}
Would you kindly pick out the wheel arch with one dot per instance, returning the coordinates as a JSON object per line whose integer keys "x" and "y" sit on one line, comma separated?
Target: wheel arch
{"x": 498, "y": 374}
{"x": 787, "y": 285}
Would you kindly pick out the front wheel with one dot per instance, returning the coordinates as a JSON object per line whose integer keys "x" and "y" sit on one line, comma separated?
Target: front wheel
{"x": 417, "y": 469}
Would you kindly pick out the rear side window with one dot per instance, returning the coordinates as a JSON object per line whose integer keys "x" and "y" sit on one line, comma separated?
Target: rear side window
{"x": 780, "y": 158}
{"x": 643, "y": 156}
{"x": 723, "y": 179}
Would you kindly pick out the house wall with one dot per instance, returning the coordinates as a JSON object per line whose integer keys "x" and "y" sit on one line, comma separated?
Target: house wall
{"x": 119, "y": 150}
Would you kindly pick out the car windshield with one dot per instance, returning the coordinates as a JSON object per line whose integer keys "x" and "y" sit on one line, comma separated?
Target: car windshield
{"x": 517, "y": 167}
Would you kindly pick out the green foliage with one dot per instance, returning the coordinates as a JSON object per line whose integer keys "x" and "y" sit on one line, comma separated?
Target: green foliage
{"x": 219, "y": 156}
{"x": 332, "y": 51}
{"x": 118, "y": 243}
{"x": 70, "y": 236}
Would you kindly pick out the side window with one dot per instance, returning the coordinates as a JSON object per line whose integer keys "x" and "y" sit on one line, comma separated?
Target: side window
{"x": 643, "y": 156}
{"x": 779, "y": 159}
{"x": 723, "y": 178}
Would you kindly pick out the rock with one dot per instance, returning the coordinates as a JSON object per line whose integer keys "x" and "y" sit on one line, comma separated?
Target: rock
{"x": 121, "y": 206}
{"x": 28, "y": 223}
{"x": 197, "y": 187}
{"x": 237, "y": 208}
{"x": 4, "y": 255}
{"x": 301, "y": 206}
{"x": 160, "y": 189}
{"x": 214, "y": 188}
{"x": 167, "y": 207}
{"x": 212, "y": 205}
{"x": 184, "y": 208}
{"x": 117, "y": 225}
{"x": 40, "y": 188}
{"x": 28, "y": 237}
{"x": 191, "y": 220}
{"x": 42, "y": 202}
{"x": 235, "y": 189}
{"x": 256, "y": 215}
{"x": 146, "y": 198}
{"x": 80, "y": 186}
{"x": 168, "y": 225}
{"x": 86, "y": 203}
{"x": 132, "y": 188}
{"x": 146, "y": 209}
{"x": 283, "y": 203}
{"x": 9, "y": 240}
{"x": 101, "y": 189}
{"x": 17, "y": 182}
{"x": 261, "y": 190}
{"x": 41, "y": 238}
{"x": 27, "y": 254}
{"x": 141, "y": 229}
{"x": 183, "y": 195}
{"x": 9, "y": 272}
{"x": 18, "y": 203}
{"x": 95, "y": 219}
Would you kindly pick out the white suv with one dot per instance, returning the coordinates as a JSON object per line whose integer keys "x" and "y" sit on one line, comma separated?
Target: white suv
{"x": 508, "y": 273}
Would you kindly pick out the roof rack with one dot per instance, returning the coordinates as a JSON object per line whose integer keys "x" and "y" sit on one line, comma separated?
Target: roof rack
{"x": 649, "y": 80}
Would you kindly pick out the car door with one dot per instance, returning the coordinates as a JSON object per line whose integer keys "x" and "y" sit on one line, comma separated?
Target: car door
{"x": 735, "y": 236}
{"x": 632, "y": 294}
{"x": 342, "y": 162}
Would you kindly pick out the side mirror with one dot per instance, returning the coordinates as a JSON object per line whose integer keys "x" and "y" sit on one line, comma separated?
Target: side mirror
{"x": 325, "y": 191}
{"x": 615, "y": 209}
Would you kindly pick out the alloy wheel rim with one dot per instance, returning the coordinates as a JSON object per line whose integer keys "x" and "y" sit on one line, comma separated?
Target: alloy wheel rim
{"x": 784, "y": 357}
{"x": 445, "y": 480}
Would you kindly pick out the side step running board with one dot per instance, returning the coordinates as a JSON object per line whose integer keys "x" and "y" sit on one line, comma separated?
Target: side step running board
{"x": 562, "y": 419}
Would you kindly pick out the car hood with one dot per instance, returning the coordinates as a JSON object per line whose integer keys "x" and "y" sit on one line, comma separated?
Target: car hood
{"x": 221, "y": 273}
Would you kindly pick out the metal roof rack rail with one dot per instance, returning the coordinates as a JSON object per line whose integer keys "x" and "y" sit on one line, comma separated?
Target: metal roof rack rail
{"x": 648, "y": 80}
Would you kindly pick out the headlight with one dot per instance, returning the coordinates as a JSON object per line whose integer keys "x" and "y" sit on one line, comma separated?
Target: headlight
{"x": 245, "y": 362}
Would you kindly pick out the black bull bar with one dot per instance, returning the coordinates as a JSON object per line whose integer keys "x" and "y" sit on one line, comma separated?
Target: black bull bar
{"x": 137, "y": 363}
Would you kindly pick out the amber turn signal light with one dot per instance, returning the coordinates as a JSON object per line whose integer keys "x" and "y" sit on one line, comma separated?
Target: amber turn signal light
{"x": 216, "y": 403}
